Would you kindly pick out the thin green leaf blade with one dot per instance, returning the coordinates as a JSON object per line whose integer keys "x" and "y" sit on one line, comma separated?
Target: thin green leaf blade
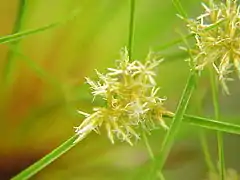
{"x": 174, "y": 127}
{"x": 46, "y": 160}
{"x": 212, "y": 124}
{"x": 20, "y": 35}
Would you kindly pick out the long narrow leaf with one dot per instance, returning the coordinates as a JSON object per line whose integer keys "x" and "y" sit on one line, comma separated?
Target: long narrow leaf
{"x": 174, "y": 127}
{"x": 19, "y": 35}
{"x": 46, "y": 160}
{"x": 212, "y": 124}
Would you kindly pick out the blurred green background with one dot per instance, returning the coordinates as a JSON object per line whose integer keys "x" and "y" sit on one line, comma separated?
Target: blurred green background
{"x": 42, "y": 86}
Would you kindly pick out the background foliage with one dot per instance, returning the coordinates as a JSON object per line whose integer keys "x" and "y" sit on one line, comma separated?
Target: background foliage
{"x": 42, "y": 85}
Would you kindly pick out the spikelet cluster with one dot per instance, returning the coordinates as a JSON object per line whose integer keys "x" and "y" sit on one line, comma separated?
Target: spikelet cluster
{"x": 217, "y": 35}
{"x": 131, "y": 102}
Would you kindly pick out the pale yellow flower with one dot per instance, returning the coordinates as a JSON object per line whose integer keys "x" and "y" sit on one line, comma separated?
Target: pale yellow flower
{"x": 131, "y": 102}
{"x": 217, "y": 35}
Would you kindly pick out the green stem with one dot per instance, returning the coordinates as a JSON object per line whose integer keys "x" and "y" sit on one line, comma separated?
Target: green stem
{"x": 131, "y": 28}
{"x": 175, "y": 125}
{"x": 151, "y": 154}
{"x": 207, "y": 155}
{"x": 145, "y": 139}
{"x": 17, "y": 27}
{"x": 46, "y": 160}
{"x": 215, "y": 94}
{"x": 9, "y": 58}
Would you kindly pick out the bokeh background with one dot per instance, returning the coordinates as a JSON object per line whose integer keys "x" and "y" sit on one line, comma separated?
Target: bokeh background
{"x": 42, "y": 86}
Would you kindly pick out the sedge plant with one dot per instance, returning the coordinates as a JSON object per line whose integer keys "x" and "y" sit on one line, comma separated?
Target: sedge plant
{"x": 218, "y": 50}
{"x": 132, "y": 107}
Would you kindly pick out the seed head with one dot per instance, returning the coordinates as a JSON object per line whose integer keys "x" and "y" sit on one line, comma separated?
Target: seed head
{"x": 217, "y": 35}
{"x": 131, "y": 102}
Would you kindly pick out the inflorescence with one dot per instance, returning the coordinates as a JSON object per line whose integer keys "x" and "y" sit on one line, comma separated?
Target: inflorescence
{"x": 217, "y": 35}
{"x": 131, "y": 103}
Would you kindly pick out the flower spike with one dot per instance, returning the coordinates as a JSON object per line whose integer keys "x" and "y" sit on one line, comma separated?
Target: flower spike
{"x": 132, "y": 105}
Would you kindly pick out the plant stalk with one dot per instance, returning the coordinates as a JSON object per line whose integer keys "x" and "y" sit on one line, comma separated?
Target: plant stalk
{"x": 215, "y": 94}
{"x": 174, "y": 127}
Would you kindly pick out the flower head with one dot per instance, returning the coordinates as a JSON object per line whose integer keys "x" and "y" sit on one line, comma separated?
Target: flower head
{"x": 131, "y": 102}
{"x": 217, "y": 35}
